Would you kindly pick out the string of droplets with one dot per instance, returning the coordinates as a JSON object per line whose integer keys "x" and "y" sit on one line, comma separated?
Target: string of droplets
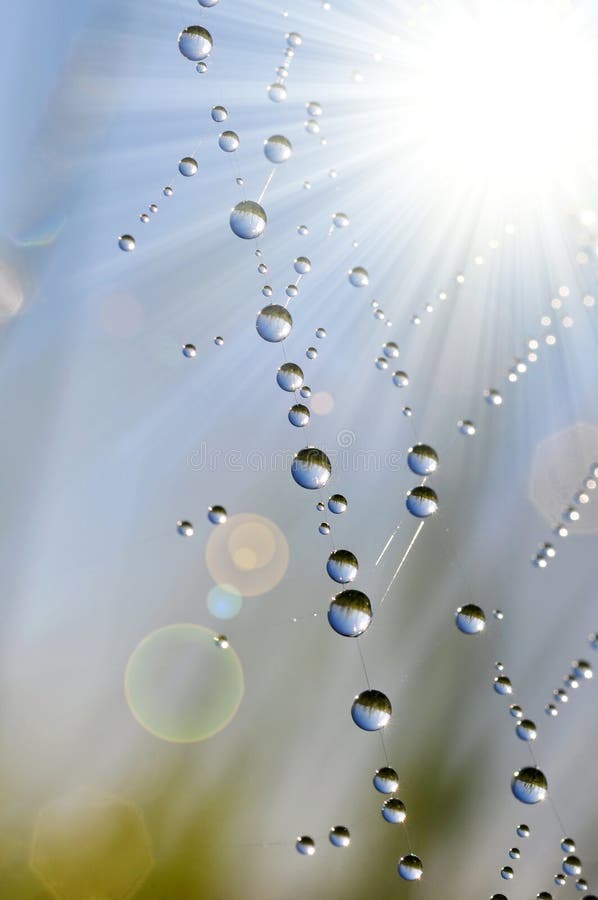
{"x": 570, "y": 515}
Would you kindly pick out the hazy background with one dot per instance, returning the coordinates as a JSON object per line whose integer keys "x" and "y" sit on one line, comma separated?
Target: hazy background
{"x": 108, "y": 429}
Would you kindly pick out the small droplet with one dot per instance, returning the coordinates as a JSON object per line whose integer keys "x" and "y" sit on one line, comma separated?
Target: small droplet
{"x": 515, "y": 853}
{"x": 277, "y": 92}
{"x": 568, "y": 845}
{"x": 324, "y": 528}
{"x": 400, "y": 379}
{"x": 313, "y": 108}
{"x": 303, "y": 230}
{"x": 342, "y": 566}
{"x": 311, "y": 353}
{"x": 277, "y": 149}
{"x": 321, "y": 333}
{"x": 502, "y": 685}
{"x": 422, "y": 459}
{"x": 311, "y": 468}
{"x": 217, "y": 515}
{"x": 391, "y": 350}
{"x": 219, "y": 341}
{"x": 393, "y": 811}
{"x": 302, "y": 265}
{"x": 126, "y": 242}
{"x": 201, "y": 68}
{"x": 466, "y": 427}
{"x": 184, "y": 528}
{"x": 507, "y": 873}
{"x": 350, "y": 613}
{"x": 340, "y": 220}
{"x": 221, "y": 641}
{"x": 219, "y": 113}
{"x": 572, "y": 865}
{"x": 493, "y": 397}
{"x": 188, "y": 166}
{"x": 526, "y": 730}
{"x": 299, "y": 415}
{"x": 228, "y": 141}
{"x": 144, "y": 218}
{"x": 190, "y": 351}
{"x": 168, "y": 192}
{"x": 305, "y": 845}
{"x": 339, "y": 836}
{"x": 386, "y": 780}
{"x": 359, "y": 277}
{"x": 524, "y": 831}
{"x": 337, "y": 504}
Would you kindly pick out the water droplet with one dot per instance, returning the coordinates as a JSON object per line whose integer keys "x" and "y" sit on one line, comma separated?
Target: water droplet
{"x": 568, "y": 845}
{"x": 350, "y": 613}
{"x": 311, "y": 353}
{"x": 195, "y": 42}
{"x": 400, "y": 379}
{"x": 393, "y": 811}
{"x": 305, "y": 392}
{"x": 339, "y": 836}
{"x": 153, "y": 208}
{"x": 572, "y": 865}
{"x": 299, "y": 415}
{"x": 168, "y": 192}
{"x": 466, "y": 427}
{"x": 302, "y": 265}
{"x": 498, "y": 614}
{"x": 526, "y": 730}
{"x": 359, "y": 277}
{"x": 582, "y": 669}
{"x": 560, "y": 880}
{"x": 386, "y": 780}
{"x": 221, "y": 641}
{"x": 470, "y": 619}
{"x": 277, "y": 149}
{"x": 303, "y": 230}
{"x": 342, "y": 566}
{"x": 219, "y": 341}
{"x": 410, "y": 867}
{"x": 390, "y": 350}
{"x": 126, "y": 242}
{"x": 305, "y": 845}
{"x": 581, "y": 885}
{"x": 507, "y": 873}
{"x": 217, "y": 515}
{"x": 340, "y": 220}
{"x": 188, "y": 166}
{"x": 294, "y": 39}
{"x": 144, "y": 218}
{"x": 267, "y": 290}
{"x": 502, "y": 685}
{"x": 274, "y": 323}
{"x": 515, "y": 853}
{"x": 551, "y": 710}
{"x": 524, "y": 831}
{"x": 201, "y": 68}
{"x": 219, "y": 113}
{"x": 514, "y": 709}
{"x": 337, "y": 504}
{"x": 381, "y": 363}
{"x": 248, "y": 220}
{"x": 190, "y": 351}
{"x": 184, "y": 528}
{"x": 313, "y": 108}
{"x": 277, "y": 92}
{"x": 321, "y": 333}
{"x": 311, "y": 468}
{"x": 289, "y": 377}
{"x": 312, "y": 126}
{"x": 208, "y": 3}
{"x": 422, "y": 502}
{"x": 371, "y": 710}
{"x": 324, "y": 528}
{"x": 529, "y": 785}
{"x": 422, "y": 459}
{"x": 228, "y": 141}
{"x": 493, "y": 397}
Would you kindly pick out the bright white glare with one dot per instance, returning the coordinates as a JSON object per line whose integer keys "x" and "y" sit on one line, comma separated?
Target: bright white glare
{"x": 496, "y": 95}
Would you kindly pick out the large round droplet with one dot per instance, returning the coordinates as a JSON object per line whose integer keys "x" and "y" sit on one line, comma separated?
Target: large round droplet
{"x": 305, "y": 845}
{"x": 302, "y": 266}
{"x": 410, "y": 867}
{"x": 393, "y": 811}
{"x": 502, "y": 685}
{"x": 422, "y": 502}
{"x": 217, "y": 515}
{"x": 299, "y": 415}
{"x": 422, "y": 459}
{"x": 219, "y": 113}
{"x": 339, "y": 836}
{"x": 371, "y": 710}
{"x": 568, "y": 845}
{"x": 529, "y": 785}
{"x": 277, "y": 92}
{"x": 195, "y": 42}
{"x": 350, "y": 613}
{"x": 126, "y": 242}
{"x": 342, "y": 566}
{"x": 470, "y": 619}
{"x": 188, "y": 166}
{"x": 248, "y": 220}
{"x": 289, "y": 377}
{"x": 359, "y": 277}
{"x": 274, "y": 323}
{"x": 386, "y": 780}
{"x": 229, "y": 141}
{"x": 572, "y": 865}
{"x": 524, "y": 831}
{"x": 311, "y": 468}
{"x": 526, "y": 730}
{"x": 277, "y": 148}
{"x": 391, "y": 350}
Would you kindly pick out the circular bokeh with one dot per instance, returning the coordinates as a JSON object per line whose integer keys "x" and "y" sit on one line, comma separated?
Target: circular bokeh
{"x": 249, "y": 553}
{"x": 224, "y": 601}
{"x": 181, "y": 686}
